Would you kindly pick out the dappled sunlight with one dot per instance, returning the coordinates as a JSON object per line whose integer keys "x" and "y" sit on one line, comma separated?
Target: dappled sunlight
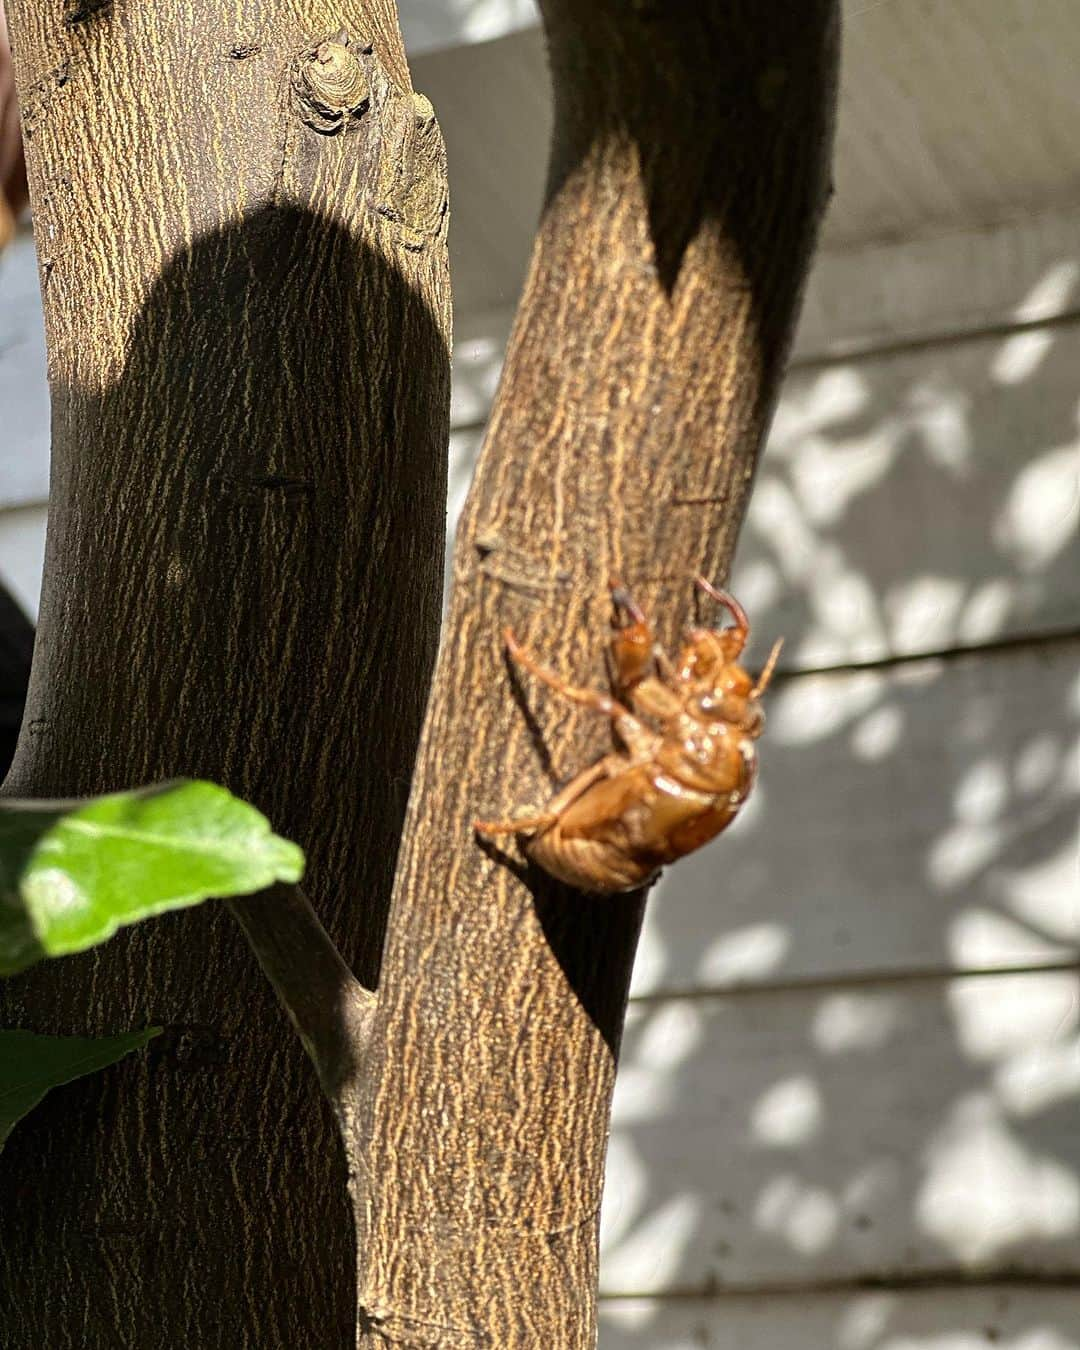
{"x": 760, "y": 585}
{"x": 1034, "y": 1079}
{"x": 925, "y": 1126}
{"x": 1020, "y": 356}
{"x": 666, "y": 1035}
{"x": 864, "y": 1322}
{"x": 1045, "y": 894}
{"x": 878, "y": 734}
{"x": 996, "y": 1017}
{"x": 787, "y": 1114}
{"x": 917, "y": 1125}
{"x": 941, "y": 415}
{"x": 961, "y": 853}
{"x": 985, "y": 1193}
{"x": 832, "y": 396}
{"x": 650, "y": 1254}
{"x": 826, "y": 478}
{"x": 624, "y": 1204}
{"x": 844, "y": 1065}
{"x": 805, "y": 1217}
{"x": 952, "y": 1319}
{"x": 924, "y": 612}
{"x": 749, "y": 953}
{"x": 897, "y": 809}
{"x": 854, "y": 1021}
{"x": 986, "y": 611}
{"x": 1037, "y": 765}
{"x": 982, "y": 792}
{"x": 481, "y": 20}
{"x": 955, "y": 441}
{"x": 984, "y": 939}
{"x": 807, "y": 710}
{"x": 1051, "y": 294}
{"x": 478, "y": 359}
{"x": 1042, "y": 511}
{"x": 671, "y": 1033}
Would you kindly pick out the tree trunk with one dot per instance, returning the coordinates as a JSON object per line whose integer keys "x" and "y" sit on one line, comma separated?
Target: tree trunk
{"x": 241, "y": 235}
{"x": 688, "y": 175}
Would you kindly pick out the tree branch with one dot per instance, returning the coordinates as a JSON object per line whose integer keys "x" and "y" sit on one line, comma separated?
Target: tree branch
{"x": 688, "y": 174}
{"x": 328, "y": 1006}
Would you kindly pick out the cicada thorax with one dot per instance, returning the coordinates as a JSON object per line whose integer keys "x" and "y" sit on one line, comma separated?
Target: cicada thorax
{"x": 711, "y": 756}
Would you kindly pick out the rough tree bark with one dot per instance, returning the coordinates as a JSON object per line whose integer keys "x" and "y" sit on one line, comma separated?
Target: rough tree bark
{"x": 241, "y": 234}
{"x": 688, "y": 175}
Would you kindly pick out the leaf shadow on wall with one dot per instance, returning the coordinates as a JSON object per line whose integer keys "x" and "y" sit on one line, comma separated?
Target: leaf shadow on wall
{"x": 812, "y": 1092}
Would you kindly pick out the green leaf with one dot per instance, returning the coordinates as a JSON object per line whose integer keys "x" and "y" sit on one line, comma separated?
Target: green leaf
{"x": 30, "y": 1065}
{"x": 71, "y": 873}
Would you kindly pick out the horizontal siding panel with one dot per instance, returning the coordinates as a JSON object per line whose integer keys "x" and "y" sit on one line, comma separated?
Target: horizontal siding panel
{"x": 955, "y": 1318}
{"x": 922, "y": 1131}
{"x": 933, "y": 287}
{"x": 919, "y": 817}
{"x": 24, "y": 395}
{"x": 953, "y": 113}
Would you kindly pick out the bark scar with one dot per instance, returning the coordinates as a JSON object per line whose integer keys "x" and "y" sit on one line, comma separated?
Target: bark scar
{"x": 516, "y": 569}
{"x": 403, "y": 1328}
{"x": 85, "y": 10}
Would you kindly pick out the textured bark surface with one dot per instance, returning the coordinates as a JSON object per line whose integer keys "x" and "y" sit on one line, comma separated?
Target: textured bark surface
{"x": 248, "y": 319}
{"x": 689, "y": 171}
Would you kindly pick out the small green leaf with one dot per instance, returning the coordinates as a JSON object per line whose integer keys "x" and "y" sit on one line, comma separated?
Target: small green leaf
{"x": 30, "y": 1065}
{"x": 71, "y": 873}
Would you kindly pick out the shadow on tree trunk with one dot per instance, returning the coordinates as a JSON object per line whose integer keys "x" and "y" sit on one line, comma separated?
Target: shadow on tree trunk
{"x": 242, "y": 583}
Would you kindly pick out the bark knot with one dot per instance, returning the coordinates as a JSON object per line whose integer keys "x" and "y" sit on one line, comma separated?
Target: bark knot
{"x": 331, "y": 86}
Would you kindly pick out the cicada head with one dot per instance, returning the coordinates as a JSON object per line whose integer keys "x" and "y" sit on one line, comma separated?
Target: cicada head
{"x": 732, "y": 695}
